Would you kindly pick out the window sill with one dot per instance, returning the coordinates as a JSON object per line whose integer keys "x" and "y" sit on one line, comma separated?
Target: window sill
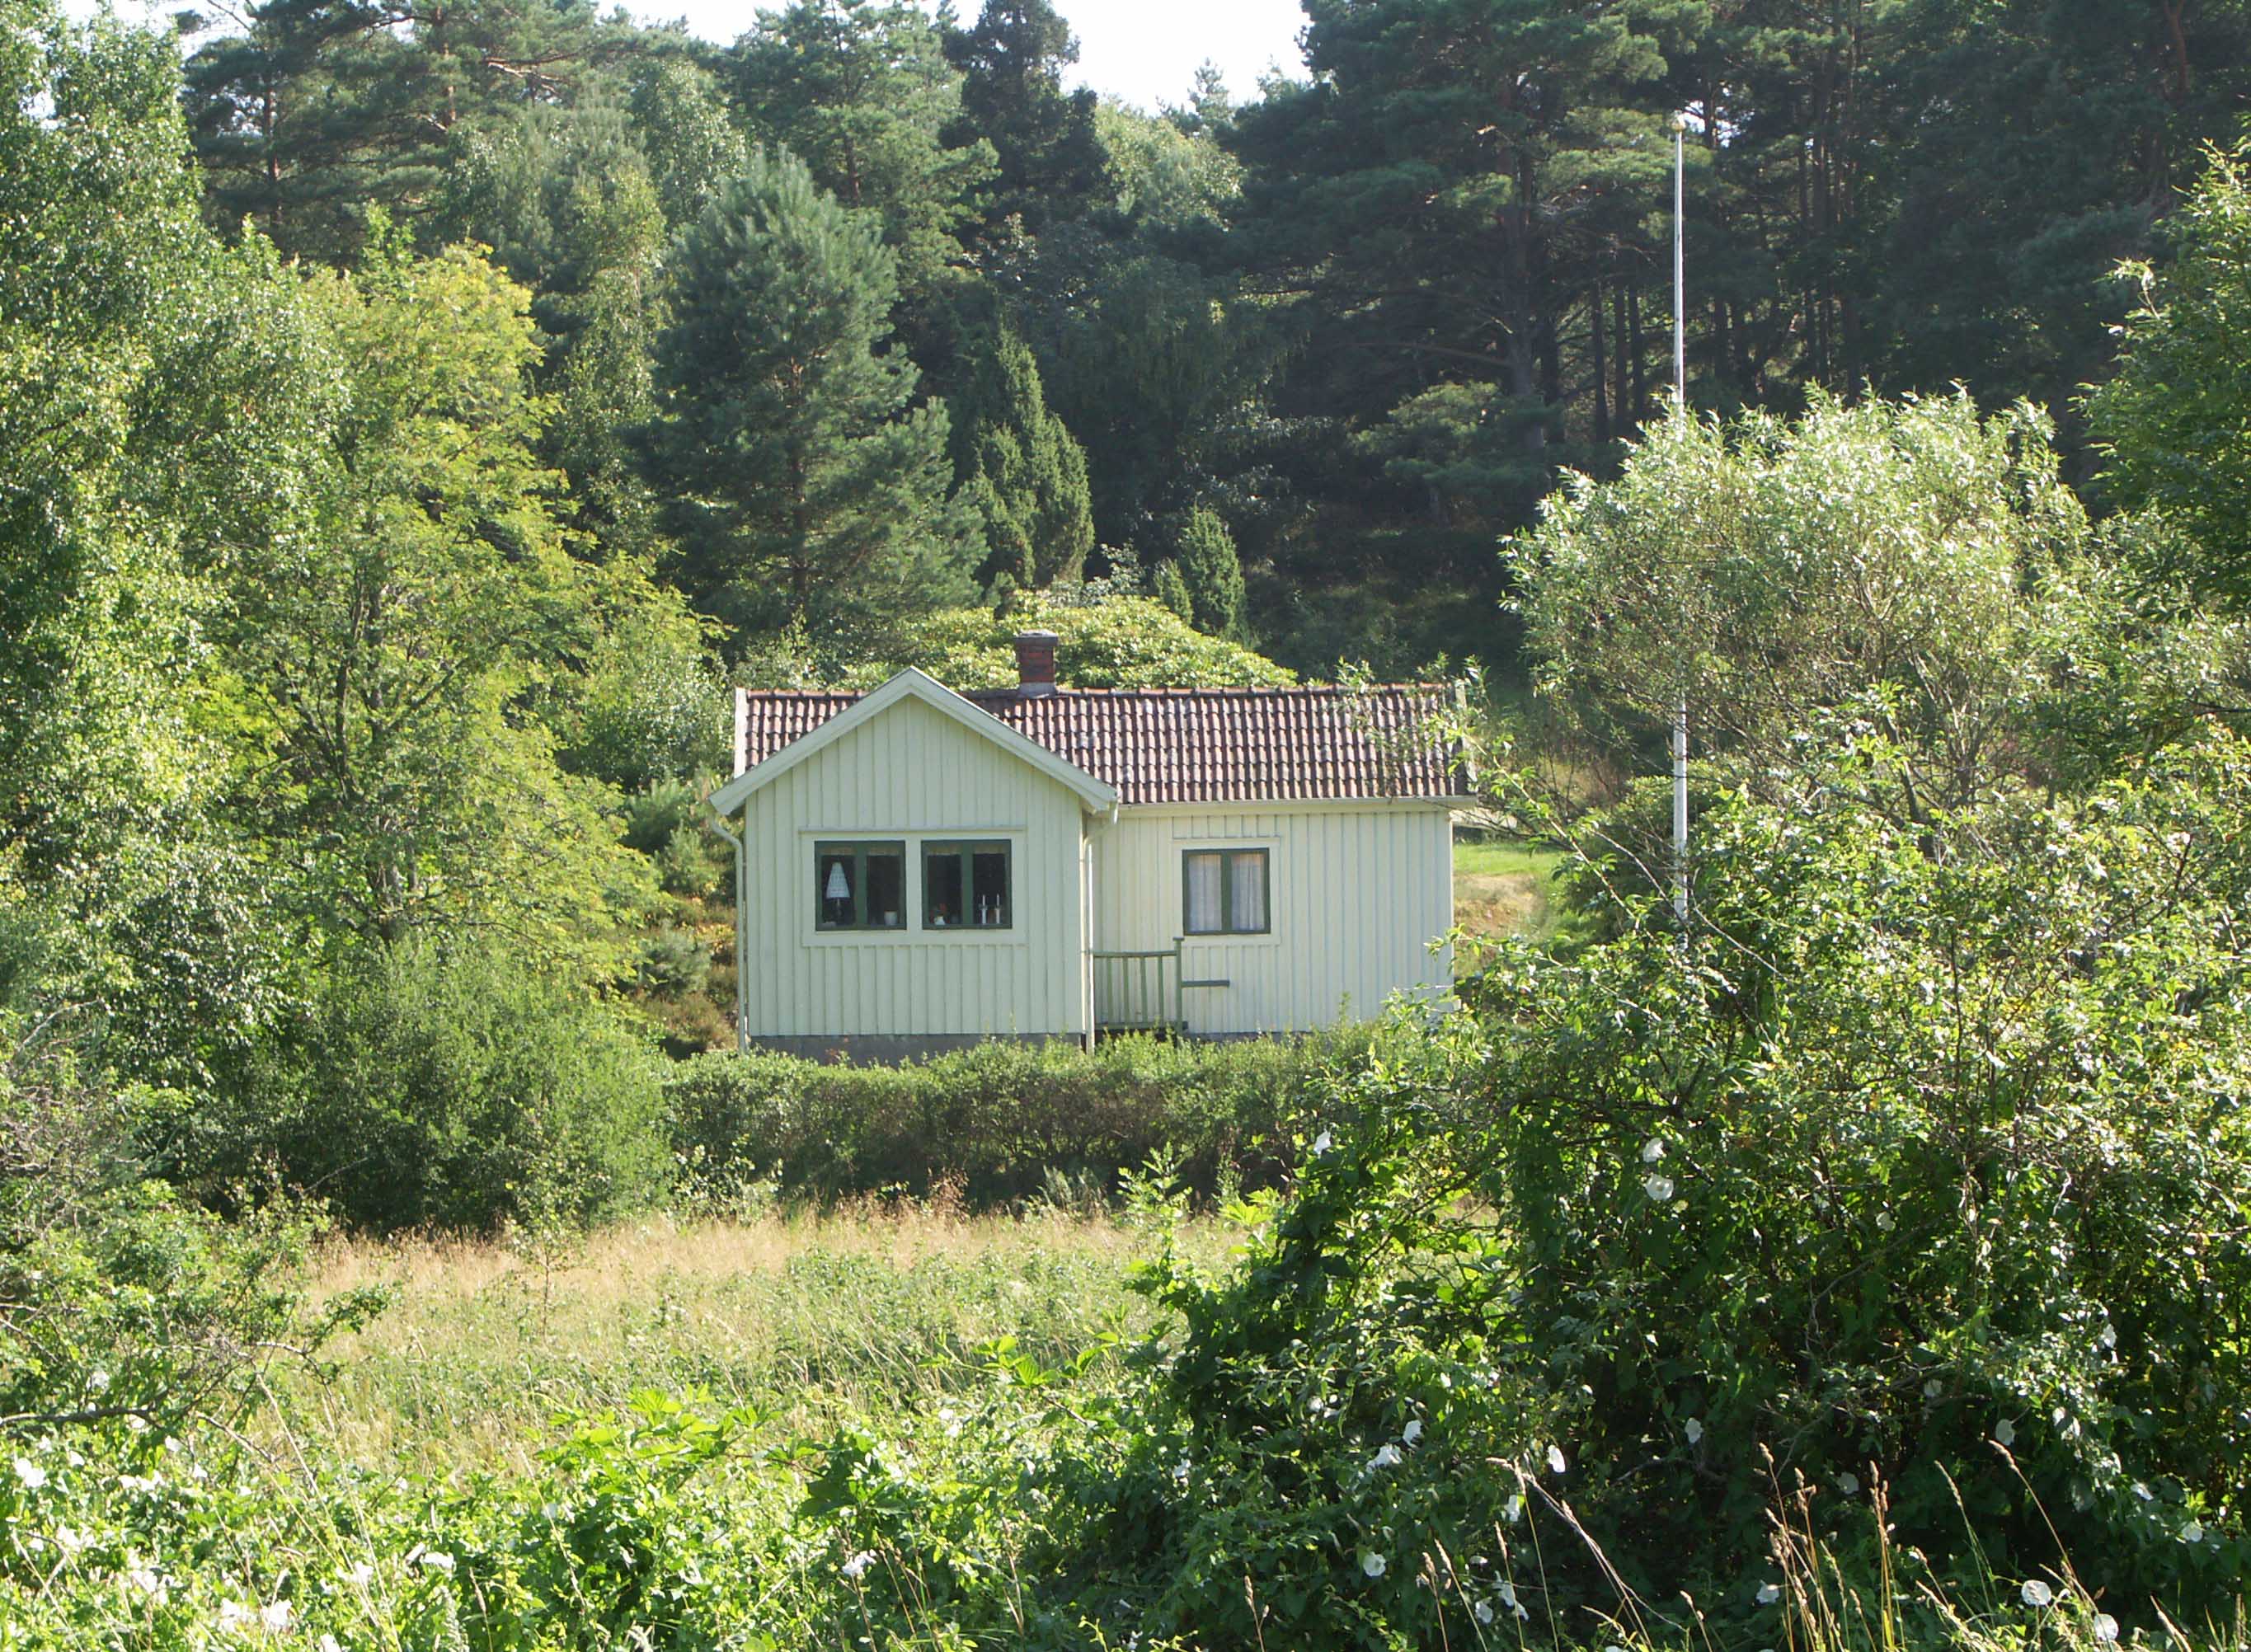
{"x": 931, "y": 939}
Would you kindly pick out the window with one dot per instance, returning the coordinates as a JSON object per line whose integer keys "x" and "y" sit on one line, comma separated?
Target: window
{"x": 1224, "y": 891}
{"x": 860, "y": 886}
{"x": 966, "y": 886}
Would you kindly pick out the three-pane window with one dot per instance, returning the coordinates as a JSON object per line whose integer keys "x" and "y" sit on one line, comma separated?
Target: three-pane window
{"x": 1224, "y": 892}
{"x": 968, "y": 885}
{"x": 860, "y": 886}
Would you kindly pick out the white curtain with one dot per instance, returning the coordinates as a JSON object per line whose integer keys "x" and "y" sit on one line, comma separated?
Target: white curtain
{"x": 1247, "y": 873}
{"x": 1203, "y": 893}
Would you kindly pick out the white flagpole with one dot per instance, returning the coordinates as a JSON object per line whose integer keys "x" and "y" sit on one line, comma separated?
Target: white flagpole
{"x": 1680, "y": 411}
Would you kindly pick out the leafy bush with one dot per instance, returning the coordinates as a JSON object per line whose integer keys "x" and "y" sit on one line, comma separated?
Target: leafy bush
{"x": 1001, "y": 1121}
{"x": 453, "y": 1089}
{"x": 118, "y": 1299}
{"x": 1117, "y": 642}
{"x": 1928, "y": 1153}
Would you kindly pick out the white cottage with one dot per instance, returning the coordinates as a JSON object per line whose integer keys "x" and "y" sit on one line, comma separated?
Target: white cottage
{"x": 918, "y": 869}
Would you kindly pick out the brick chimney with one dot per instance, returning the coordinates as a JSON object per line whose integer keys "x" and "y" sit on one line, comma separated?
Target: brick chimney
{"x": 1035, "y": 663}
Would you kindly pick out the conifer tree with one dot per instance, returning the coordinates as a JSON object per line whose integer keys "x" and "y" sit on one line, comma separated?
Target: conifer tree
{"x": 1023, "y": 470}
{"x": 809, "y": 487}
{"x": 1013, "y": 96}
{"x": 1170, "y": 589}
{"x": 1212, "y": 573}
{"x": 861, "y": 91}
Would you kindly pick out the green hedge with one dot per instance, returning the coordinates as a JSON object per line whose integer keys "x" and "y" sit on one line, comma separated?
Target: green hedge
{"x": 1001, "y": 1121}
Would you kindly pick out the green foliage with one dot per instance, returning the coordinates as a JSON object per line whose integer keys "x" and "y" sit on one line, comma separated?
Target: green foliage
{"x": 650, "y": 707}
{"x": 1171, "y": 591}
{"x": 1113, "y": 642}
{"x": 861, "y": 91}
{"x": 2171, "y": 424}
{"x": 1208, "y": 567}
{"x": 381, "y": 640}
{"x": 1757, "y": 1188}
{"x": 1767, "y": 571}
{"x": 1001, "y": 1121}
{"x": 1047, "y": 150}
{"x": 1023, "y": 469}
{"x": 809, "y": 490}
{"x": 456, "y": 1088}
{"x": 118, "y": 1299}
{"x": 1164, "y": 172}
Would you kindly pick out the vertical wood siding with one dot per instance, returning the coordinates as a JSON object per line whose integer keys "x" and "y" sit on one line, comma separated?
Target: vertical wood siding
{"x": 1356, "y": 895}
{"x": 914, "y": 774}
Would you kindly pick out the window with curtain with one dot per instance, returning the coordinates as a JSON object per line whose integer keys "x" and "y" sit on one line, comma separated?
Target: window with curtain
{"x": 967, "y": 886}
{"x": 1224, "y": 892}
{"x": 860, "y": 886}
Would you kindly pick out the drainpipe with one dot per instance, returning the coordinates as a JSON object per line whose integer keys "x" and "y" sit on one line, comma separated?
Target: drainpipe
{"x": 718, "y": 824}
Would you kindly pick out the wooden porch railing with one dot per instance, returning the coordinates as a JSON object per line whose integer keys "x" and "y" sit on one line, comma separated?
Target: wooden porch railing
{"x": 1142, "y": 992}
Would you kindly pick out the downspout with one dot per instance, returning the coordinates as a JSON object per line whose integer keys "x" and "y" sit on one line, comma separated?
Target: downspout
{"x": 1086, "y": 904}
{"x": 718, "y": 824}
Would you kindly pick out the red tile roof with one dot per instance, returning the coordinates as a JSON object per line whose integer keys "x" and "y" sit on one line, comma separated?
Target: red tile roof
{"x": 1194, "y": 745}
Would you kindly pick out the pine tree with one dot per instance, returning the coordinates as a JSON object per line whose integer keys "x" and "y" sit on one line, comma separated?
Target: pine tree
{"x": 862, "y": 91}
{"x": 809, "y": 489}
{"x": 1023, "y": 469}
{"x": 1212, "y": 573}
{"x": 1013, "y": 96}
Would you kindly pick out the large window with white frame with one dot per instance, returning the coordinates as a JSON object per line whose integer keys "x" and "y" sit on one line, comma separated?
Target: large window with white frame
{"x": 1225, "y": 892}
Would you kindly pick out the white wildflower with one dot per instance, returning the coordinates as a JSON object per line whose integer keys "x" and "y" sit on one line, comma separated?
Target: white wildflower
{"x": 1694, "y": 1429}
{"x": 857, "y": 1567}
{"x": 1388, "y": 1458}
{"x": 1413, "y": 1432}
{"x": 1322, "y": 1143}
{"x": 2108, "y": 1338}
{"x": 2105, "y": 1627}
{"x": 1768, "y": 1593}
{"x": 2142, "y": 1491}
{"x": 136, "y": 1425}
{"x": 1886, "y": 1221}
{"x": 1513, "y": 1510}
{"x": 277, "y": 1618}
{"x": 97, "y": 1381}
{"x": 328, "y": 1643}
{"x": 1652, "y": 1150}
{"x": 1659, "y": 1189}
{"x": 1483, "y": 1612}
{"x": 2036, "y": 1593}
{"x": 1508, "y": 1599}
{"x": 2004, "y": 1432}
{"x": 1556, "y": 1464}
{"x": 2192, "y": 1532}
{"x": 1931, "y": 1389}
{"x": 70, "y": 1541}
{"x": 31, "y": 1474}
{"x": 232, "y": 1614}
{"x": 430, "y": 1559}
{"x": 361, "y": 1574}
{"x": 1849, "y": 1484}
{"x": 1373, "y": 1563}
{"x": 147, "y": 1581}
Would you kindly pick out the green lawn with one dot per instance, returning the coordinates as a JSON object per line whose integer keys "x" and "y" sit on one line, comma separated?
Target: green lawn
{"x": 1503, "y": 888}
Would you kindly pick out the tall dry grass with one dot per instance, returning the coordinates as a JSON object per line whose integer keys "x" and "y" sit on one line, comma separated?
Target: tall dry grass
{"x": 486, "y": 1342}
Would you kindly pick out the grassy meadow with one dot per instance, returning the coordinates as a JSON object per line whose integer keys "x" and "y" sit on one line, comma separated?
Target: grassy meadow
{"x": 808, "y": 1318}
